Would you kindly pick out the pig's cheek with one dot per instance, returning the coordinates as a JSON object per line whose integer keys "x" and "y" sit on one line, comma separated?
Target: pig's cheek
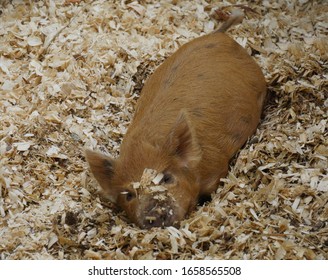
{"x": 180, "y": 213}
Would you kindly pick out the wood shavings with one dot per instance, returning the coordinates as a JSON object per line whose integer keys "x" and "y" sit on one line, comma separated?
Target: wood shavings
{"x": 147, "y": 177}
{"x": 22, "y": 146}
{"x": 34, "y": 41}
{"x": 158, "y": 178}
{"x": 70, "y": 74}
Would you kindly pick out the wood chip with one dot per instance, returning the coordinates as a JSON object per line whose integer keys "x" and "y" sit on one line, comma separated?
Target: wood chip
{"x": 71, "y": 72}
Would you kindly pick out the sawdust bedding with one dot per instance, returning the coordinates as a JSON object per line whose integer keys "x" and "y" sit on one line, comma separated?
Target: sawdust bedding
{"x": 70, "y": 76}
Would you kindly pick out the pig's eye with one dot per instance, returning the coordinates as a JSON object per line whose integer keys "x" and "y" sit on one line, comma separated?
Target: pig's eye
{"x": 128, "y": 195}
{"x": 167, "y": 178}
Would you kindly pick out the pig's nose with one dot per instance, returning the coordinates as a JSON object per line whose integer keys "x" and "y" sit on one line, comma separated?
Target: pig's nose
{"x": 158, "y": 216}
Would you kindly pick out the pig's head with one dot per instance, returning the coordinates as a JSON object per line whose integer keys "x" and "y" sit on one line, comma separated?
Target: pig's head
{"x": 156, "y": 184}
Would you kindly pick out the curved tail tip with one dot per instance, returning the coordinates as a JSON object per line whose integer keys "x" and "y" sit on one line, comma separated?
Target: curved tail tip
{"x": 235, "y": 17}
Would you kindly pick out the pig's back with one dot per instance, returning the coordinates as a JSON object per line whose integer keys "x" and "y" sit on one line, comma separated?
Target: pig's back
{"x": 221, "y": 88}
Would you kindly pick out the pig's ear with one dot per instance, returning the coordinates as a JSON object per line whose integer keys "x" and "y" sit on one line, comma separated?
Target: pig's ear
{"x": 102, "y": 168}
{"x": 183, "y": 144}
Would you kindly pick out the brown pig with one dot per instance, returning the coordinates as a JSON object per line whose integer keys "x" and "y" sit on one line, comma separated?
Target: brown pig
{"x": 195, "y": 111}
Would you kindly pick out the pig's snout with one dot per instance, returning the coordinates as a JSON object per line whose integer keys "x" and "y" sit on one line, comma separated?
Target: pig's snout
{"x": 157, "y": 214}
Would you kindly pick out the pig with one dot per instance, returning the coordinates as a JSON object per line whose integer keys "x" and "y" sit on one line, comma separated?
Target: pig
{"x": 194, "y": 113}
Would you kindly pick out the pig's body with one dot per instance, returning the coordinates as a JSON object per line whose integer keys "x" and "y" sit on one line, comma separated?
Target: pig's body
{"x": 221, "y": 89}
{"x": 195, "y": 112}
